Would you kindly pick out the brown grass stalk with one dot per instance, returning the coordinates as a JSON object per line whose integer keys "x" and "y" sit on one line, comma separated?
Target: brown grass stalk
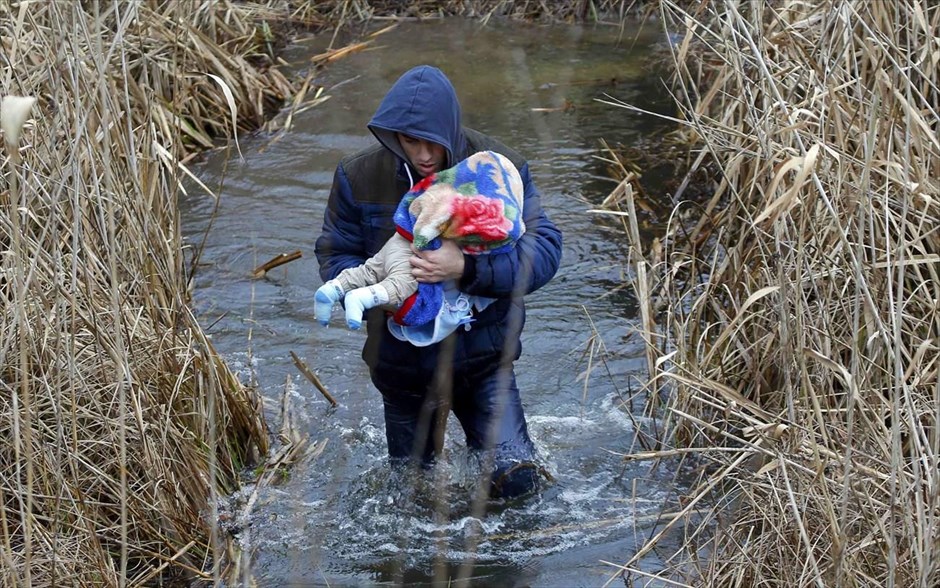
{"x": 121, "y": 422}
{"x": 800, "y": 305}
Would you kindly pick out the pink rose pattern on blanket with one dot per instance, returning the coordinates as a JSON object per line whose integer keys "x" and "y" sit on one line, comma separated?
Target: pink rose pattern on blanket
{"x": 475, "y": 216}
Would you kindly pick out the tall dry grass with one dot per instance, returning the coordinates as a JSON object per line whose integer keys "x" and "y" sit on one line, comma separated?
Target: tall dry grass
{"x": 120, "y": 423}
{"x": 799, "y": 330}
{"x": 338, "y": 13}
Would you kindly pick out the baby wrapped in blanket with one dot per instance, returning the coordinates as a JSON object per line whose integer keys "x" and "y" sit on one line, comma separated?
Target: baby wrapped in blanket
{"x": 476, "y": 203}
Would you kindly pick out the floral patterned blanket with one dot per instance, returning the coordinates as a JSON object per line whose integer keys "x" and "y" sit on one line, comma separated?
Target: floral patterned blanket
{"x": 477, "y": 203}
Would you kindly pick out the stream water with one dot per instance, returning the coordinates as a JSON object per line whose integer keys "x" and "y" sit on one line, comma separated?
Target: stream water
{"x": 340, "y": 518}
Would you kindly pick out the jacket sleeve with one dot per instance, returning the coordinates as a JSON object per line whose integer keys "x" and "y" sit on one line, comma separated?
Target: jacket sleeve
{"x": 529, "y": 265}
{"x": 341, "y": 243}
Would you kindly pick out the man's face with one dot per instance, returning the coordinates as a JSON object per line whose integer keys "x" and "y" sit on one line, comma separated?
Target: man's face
{"x": 425, "y": 156}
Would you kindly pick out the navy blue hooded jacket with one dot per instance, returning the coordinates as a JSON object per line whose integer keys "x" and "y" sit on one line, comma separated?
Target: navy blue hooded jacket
{"x": 366, "y": 189}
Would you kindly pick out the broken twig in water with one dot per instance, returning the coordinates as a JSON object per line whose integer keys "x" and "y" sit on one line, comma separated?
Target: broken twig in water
{"x": 274, "y": 262}
{"x": 313, "y": 378}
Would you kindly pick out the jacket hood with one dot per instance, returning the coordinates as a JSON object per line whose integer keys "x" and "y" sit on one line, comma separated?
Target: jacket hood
{"x": 422, "y": 104}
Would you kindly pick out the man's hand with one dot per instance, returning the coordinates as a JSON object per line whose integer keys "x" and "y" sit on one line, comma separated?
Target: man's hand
{"x": 431, "y": 266}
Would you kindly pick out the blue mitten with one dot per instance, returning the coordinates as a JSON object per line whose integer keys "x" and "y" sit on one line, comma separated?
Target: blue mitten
{"x": 327, "y": 295}
{"x": 362, "y": 299}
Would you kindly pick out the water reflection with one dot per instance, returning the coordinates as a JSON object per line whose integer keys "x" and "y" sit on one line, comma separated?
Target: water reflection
{"x": 345, "y": 518}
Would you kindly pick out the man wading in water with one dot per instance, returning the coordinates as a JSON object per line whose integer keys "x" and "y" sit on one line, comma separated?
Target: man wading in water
{"x": 471, "y": 371}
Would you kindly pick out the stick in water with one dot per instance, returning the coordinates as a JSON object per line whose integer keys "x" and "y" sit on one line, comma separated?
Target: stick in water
{"x": 313, "y": 378}
{"x": 276, "y": 261}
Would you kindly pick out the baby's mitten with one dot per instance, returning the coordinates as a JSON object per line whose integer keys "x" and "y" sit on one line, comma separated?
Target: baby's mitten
{"x": 362, "y": 299}
{"x": 327, "y": 295}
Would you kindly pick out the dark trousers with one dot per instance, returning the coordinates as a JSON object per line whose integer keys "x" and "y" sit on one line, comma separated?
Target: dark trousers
{"x": 489, "y": 410}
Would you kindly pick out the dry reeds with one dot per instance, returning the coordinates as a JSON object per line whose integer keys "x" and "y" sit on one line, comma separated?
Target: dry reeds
{"x": 120, "y": 422}
{"x": 800, "y": 330}
{"x": 339, "y": 12}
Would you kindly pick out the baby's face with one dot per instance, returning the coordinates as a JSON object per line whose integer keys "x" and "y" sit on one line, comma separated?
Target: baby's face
{"x": 426, "y": 157}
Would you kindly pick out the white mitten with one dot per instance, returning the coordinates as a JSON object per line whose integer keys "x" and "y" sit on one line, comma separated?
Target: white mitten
{"x": 327, "y": 295}
{"x": 362, "y": 299}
